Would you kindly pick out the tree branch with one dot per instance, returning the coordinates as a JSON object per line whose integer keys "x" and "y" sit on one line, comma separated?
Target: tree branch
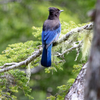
{"x": 73, "y": 31}
{"x": 39, "y": 52}
{"x": 70, "y": 49}
{"x": 76, "y": 92}
{"x": 26, "y": 62}
{"x": 8, "y": 64}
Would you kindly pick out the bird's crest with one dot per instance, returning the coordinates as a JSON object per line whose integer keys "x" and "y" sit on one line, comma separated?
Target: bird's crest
{"x": 53, "y": 9}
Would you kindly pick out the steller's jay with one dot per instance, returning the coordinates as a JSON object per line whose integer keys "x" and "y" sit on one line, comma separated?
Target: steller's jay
{"x": 50, "y": 33}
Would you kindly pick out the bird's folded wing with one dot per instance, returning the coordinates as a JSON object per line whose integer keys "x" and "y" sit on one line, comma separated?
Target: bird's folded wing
{"x": 50, "y": 35}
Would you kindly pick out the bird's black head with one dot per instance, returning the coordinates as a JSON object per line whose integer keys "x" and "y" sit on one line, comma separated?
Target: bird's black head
{"x": 54, "y": 13}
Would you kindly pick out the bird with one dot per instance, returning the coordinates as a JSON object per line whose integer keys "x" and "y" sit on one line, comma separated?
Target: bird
{"x": 50, "y": 33}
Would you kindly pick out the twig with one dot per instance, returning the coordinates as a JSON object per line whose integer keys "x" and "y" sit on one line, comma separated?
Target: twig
{"x": 70, "y": 49}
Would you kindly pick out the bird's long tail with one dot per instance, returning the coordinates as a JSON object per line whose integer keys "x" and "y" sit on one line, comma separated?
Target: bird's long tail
{"x": 46, "y": 56}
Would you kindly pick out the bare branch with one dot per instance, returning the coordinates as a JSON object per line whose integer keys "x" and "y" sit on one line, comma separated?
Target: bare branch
{"x": 39, "y": 52}
{"x": 8, "y": 64}
{"x": 76, "y": 92}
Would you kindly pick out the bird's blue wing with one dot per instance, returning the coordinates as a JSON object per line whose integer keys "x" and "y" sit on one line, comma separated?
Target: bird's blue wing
{"x": 48, "y": 36}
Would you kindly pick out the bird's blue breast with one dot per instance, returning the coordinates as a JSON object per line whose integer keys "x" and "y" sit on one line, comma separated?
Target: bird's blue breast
{"x": 50, "y": 35}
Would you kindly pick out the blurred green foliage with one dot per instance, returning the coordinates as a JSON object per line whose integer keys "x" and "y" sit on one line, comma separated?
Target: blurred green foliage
{"x": 51, "y": 79}
{"x": 17, "y": 19}
{"x": 20, "y": 35}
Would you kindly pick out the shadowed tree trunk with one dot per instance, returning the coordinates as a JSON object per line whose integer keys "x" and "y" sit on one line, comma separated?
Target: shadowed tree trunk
{"x": 89, "y": 88}
{"x": 92, "y": 84}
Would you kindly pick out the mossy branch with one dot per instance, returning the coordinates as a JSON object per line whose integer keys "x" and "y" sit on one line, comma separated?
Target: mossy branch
{"x": 9, "y": 66}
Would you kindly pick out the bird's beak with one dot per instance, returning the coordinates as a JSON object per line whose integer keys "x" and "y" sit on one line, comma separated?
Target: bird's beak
{"x": 61, "y": 10}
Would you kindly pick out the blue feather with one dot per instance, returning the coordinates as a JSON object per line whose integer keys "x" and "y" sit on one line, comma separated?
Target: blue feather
{"x": 48, "y": 37}
{"x": 46, "y": 56}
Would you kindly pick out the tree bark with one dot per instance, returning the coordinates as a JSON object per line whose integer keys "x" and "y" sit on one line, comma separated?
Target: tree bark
{"x": 92, "y": 84}
{"x": 76, "y": 92}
